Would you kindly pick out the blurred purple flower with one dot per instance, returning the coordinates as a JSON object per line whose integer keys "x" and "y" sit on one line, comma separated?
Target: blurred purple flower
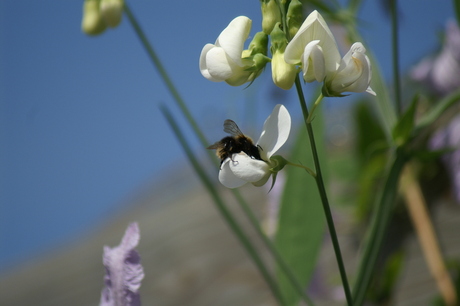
{"x": 441, "y": 72}
{"x": 449, "y": 137}
{"x": 124, "y": 272}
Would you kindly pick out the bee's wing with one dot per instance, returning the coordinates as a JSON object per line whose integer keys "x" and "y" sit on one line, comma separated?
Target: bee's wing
{"x": 231, "y": 128}
{"x": 214, "y": 146}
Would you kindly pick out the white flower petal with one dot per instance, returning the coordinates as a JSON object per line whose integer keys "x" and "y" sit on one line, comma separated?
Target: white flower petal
{"x": 371, "y": 91}
{"x": 247, "y": 168}
{"x": 314, "y": 28}
{"x": 354, "y": 73}
{"x": 218, "y": 65}
{"x": 313, "y": 63}
{"x": 233, "y": 37}
{"x": 275, "y": 131}
{"x": 227, "y": 177}
{"x": 203, "y": 65}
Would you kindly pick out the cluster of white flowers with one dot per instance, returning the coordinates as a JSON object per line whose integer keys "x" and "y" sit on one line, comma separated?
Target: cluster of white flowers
{"x": 313, "y": 49}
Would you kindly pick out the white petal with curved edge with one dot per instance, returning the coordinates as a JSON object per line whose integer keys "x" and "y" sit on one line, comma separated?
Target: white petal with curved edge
{"x": 275, "y": 131}
{"x": 203, "y": 65}
{"x": 218, "y": 64}
{"x": 247, "y": 168}
{"x": 314, "y": 28}
{"x": 232, "y": 38}
{"x": 313, "y": 64}
{"x": 228, "y": 178}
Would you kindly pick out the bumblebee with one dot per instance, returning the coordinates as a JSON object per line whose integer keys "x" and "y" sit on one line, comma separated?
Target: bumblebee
{"x": 236, "y": 143}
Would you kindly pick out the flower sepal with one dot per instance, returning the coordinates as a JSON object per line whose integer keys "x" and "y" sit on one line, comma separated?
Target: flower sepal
{"x": 327, "y": 92}
{"x": 277, "y": 162}
{"x": 259, "y": 44}
{"x": 259, "y": 61}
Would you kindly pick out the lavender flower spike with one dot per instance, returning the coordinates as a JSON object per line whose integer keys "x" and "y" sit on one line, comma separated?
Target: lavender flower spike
{"x": 124, "y": 271}
{"x": 440, "y": 72}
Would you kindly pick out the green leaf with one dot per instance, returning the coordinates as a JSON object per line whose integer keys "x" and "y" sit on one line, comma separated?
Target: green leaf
{"x": 404, "y": 127}
{"x": 379, "y": 225}
{"x": 370, "y": 136}
{"x": 301, "y": 221}
{"x": 457, "y": 10}
{"x": 440, "y": 107}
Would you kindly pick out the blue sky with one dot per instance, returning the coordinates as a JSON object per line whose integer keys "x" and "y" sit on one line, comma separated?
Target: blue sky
{"x": 80, "y": 129}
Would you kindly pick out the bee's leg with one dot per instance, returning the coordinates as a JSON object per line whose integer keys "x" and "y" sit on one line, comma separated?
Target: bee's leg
{"x": 233, "y": 161}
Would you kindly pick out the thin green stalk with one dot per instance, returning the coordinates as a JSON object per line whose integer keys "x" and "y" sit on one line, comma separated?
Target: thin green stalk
{"x": 268, "y": 243}
{"x": 164, "y": 75}
{"x": 310, "y": 171}
{"x": 379, "y": 225}
{"x": 323, "y": 194}
{"x": 226, "y": 214}
{"x": 436, "y": 111}
{"x": 395, "y": 54}
{"x": 457, "y": 10}
{"x": 182, "y": 105}
{"x": 354, "y": 5}
{"x": 315, "y": 105}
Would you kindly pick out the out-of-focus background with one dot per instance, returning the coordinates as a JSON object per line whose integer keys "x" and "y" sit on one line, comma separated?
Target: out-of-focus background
{"x": 85, "y": 149}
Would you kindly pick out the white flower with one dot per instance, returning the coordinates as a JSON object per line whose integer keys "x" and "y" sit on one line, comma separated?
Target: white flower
{"x": 241, "y": 168}
{"x": 315, "y": 48}
{"x": 353, "y": 75}
{"x": 223, "y": 60}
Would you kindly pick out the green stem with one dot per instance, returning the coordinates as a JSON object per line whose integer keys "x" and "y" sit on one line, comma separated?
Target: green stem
{"x": 165, "y": 77}
{"x": 323, "y": 194}
{"x": 457, "y": 10}
{"x": 395, "y": 53}
{"x": 317, "y": 102}
{"x": 381, "y": 217}
{"x": 353, "y": 6}
{"x": 226, "y": 214}
{"x": 310, "y": 171}
{"x": 437, "y": 110}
